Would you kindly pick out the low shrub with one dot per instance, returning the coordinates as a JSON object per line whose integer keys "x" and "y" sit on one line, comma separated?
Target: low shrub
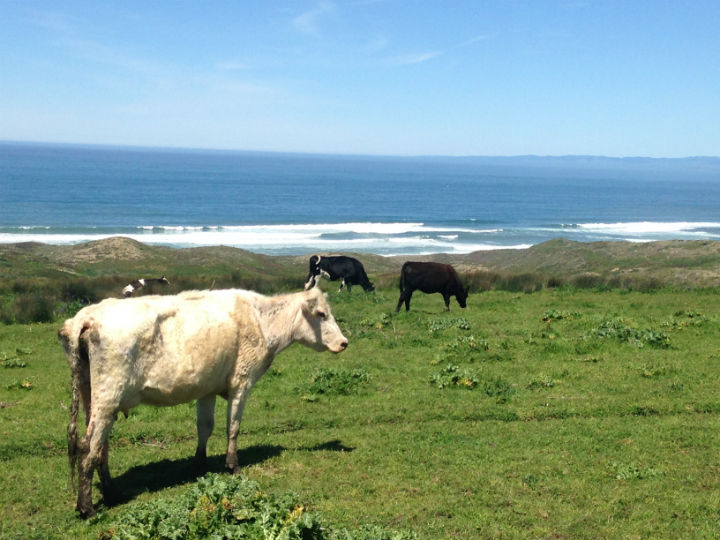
{"x": 556, "y": 315}
{"x": 617, "y": 329}
{"x": 498, "y": 388}
{"x": 544, "y": 381}
{"x": 337, "y": 381}
{"x": 223, "y": 506}
{"x": 33, "y": 307}
{"x": 454, "y": 376}
{"x": 527, "y": 283}
{"x": 437, "y": 325}
{"x": 633, "y": 471}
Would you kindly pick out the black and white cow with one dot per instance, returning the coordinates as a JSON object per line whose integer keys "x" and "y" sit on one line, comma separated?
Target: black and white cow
{"x": 131, "y": 288}
{"x": 348, "y": 269}
{"x": 430, "y": 277}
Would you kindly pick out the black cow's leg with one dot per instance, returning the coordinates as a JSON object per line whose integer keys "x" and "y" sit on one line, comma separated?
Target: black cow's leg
{"x": 408, "y": 295}
{"x": 342, "y": 285}
{"x": 400, "y": 301}
{"x": 446, "y": 297}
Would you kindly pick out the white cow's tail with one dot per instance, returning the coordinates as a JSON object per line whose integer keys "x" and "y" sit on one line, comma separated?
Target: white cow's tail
{"x": 78, "y": 360}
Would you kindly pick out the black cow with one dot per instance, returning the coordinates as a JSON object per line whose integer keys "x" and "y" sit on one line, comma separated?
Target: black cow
{"x": 132, "y": 287}
{"x": 350, "y": 270}
{"x": 430, "y": 277}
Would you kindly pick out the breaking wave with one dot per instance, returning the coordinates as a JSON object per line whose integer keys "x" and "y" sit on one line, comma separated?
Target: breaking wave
{"x": 382, "y": 238}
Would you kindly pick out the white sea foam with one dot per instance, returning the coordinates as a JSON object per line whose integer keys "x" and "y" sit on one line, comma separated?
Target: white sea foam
{"x": 372, "y": 237}
{"x": 323, "y": 228}
{"x": 652, "y": 227}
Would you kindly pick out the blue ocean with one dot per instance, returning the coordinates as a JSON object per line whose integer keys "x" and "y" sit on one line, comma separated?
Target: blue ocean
{"x": 285, "y": 204}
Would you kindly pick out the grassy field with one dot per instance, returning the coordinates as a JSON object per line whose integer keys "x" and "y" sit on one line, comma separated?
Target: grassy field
{"x": 561, "y": 413}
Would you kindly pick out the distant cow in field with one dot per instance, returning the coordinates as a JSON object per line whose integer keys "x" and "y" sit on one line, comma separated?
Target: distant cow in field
{"x": 430, "y": 277}
{"x": 131, "y": 288}
{"x": 166, "y": 350}
{"x": 350, "y": 270}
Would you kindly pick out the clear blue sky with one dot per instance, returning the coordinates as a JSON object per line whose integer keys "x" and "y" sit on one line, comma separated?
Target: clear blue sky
{"x": 504, "y": 77}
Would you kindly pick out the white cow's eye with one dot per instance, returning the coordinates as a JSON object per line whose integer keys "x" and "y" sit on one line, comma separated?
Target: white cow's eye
{"x": 322, "y": 314}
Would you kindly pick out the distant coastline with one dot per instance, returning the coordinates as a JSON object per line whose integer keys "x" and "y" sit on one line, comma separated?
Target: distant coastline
{"x": 572, "y": 161}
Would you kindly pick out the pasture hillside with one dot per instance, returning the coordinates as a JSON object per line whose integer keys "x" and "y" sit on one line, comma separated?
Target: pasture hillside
{"x": 588, "y": 408}
{"x": 561, "y": 413}
{"x": 678, "y": 263}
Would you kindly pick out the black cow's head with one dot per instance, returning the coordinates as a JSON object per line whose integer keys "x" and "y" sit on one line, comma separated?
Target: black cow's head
{"x": 462, "y": 295}
{"x": 314, "y": 261}
{"x": 313, "y": 272}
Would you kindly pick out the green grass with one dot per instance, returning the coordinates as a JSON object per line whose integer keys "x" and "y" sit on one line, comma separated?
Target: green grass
{"x": 579, "y": 414}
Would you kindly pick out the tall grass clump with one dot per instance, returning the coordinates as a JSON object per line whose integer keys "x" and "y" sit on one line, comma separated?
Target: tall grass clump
{"x": 30, "y": 308}
{"x": 527, "y": 282}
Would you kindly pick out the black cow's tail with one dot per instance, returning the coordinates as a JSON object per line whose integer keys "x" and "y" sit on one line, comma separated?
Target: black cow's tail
{"x": 402, "y": 278}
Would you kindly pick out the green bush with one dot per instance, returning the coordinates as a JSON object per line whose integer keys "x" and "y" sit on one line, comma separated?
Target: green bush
{"x": 526, "y": 283}
{"x": 557, "y": 314}
{"x": 34, "y": 308}
{"x": 438, "y": 325}
{"x": 633, "y": 471}
{"x": 337, "y": 381}
{"x": 617, "y": 329}
{"x": 452, "y": 375}
{"x": 221, "y": 506}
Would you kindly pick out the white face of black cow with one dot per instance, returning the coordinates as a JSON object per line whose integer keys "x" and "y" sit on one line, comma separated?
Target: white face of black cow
{"x": 318, "y": 328}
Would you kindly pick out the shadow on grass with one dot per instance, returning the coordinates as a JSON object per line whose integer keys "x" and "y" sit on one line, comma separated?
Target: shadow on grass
{"x": 334, "y": 445}
{"x": 166, "y": 473}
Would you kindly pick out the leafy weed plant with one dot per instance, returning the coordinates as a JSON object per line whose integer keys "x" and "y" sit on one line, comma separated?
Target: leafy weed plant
{"x": 338, "y": 381}
{"x": 616, "y": 328}
{"x": 230, "y": 507}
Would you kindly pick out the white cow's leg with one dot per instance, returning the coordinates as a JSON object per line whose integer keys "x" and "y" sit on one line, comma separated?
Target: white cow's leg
{"x": 205, "y": 425}
{"x": 110, "y": 494}
{"x": 95, "y": 439}
{"x": 236, "y": 405}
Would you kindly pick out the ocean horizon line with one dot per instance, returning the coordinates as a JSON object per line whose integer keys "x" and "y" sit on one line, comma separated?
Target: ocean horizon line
{"x": 295, "y": 153}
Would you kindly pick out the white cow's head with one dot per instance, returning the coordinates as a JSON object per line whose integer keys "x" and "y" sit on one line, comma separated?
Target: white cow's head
{"x": 317, "y": 327}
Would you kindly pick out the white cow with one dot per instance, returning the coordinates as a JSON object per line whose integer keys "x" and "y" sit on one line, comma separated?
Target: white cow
{"x": 165, "y": 350}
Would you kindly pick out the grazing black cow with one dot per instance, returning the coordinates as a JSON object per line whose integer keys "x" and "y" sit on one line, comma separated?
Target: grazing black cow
{"x": 348, "y": 269}
{"x": 131, "y": 288}
{"x": 430, "y": 277}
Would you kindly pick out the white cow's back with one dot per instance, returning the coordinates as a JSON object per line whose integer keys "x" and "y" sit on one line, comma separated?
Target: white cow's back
{"x": 167, "y": 350}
